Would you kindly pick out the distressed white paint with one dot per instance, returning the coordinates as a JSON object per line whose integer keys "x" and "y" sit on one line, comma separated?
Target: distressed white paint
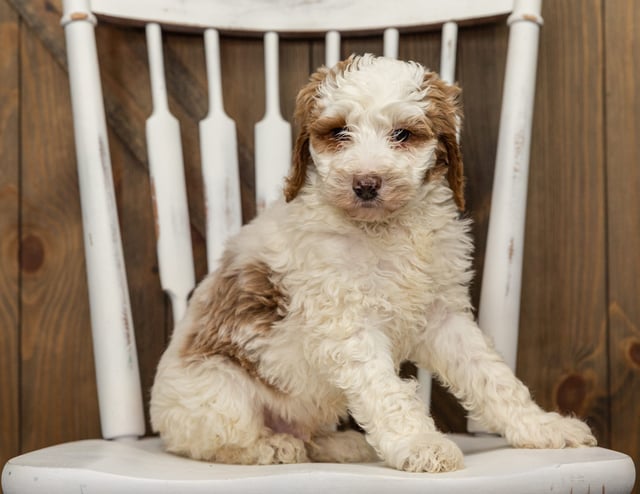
{"x": 448, "y": 50}
{"x": 499, "y": 310}
{"x": 219, "y": 149}
{"x": 272, "y": 133}
{"x": 114, "y": 344}
{"x": 500, "y": 295}
{"x": 144, "y": 467}
{"x": 302, "y": 16}
{"x": 175, "y": 255}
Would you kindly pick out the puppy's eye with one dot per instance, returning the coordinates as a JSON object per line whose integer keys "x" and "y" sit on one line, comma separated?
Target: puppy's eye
{"x": 400, "y": 135}
{"x": 340, "y": 134}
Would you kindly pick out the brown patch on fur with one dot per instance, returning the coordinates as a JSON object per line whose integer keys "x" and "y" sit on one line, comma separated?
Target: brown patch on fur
{"x": 298, "y": 175}
{"x": 420, "y": 129}
{"x": 320, "y": 134}
{"x": 323, "y": 126}
{"x": 435, "y": 173}
{"x": 306, "y": 113}
{"x": 446, "y": 117}
{"x": 234, "y": 306}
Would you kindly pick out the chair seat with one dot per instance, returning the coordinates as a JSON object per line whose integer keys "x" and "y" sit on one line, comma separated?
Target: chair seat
{"x": 100, "y": 466}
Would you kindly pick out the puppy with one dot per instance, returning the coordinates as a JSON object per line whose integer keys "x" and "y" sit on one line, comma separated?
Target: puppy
{"x": 365, "y": 263}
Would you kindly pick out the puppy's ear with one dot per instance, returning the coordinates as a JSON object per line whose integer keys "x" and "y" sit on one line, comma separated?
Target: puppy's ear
{"x": 300, "y": 162}
{"x": 304, "y": 114}
{"x": 445, "y": 113}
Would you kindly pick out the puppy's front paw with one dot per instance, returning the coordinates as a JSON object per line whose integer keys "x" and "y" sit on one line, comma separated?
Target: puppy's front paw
{"x": 550, "y": 430}
{"x": 431, "y": 452}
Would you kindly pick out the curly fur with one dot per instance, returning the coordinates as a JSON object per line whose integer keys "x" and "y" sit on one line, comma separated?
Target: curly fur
{"x": 319, "y": 299}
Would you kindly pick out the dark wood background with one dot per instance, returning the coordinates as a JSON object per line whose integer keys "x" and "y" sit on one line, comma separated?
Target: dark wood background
{"x": 580, "y": 322}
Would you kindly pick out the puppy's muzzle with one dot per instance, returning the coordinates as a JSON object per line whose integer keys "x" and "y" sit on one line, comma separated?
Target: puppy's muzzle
{"x": 366, "y": 187}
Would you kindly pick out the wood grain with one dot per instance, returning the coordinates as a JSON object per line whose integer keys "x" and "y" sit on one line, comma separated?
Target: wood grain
{"x": 623, "y": 216}
{"x": 152, "y": 319}
{"x": 184, "y": 55}
{"x": 128, "y": 89}
{"x": 59, "y": 393}
{"x": 43, "y": 19}
{"x": 9, "y": 218}
{"x": 243, "y": 65}
{"x": 481, "y": 66}
{"x": 563, "y": 336}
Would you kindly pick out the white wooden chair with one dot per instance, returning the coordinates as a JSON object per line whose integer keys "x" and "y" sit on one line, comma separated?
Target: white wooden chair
{"x": 121, "y": 462}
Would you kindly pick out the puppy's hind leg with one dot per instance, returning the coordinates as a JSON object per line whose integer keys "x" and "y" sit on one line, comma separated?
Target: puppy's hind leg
{"x": 270, "y": 448}
{"x": 211, "y": 410}
{"x": 341, "y": 447}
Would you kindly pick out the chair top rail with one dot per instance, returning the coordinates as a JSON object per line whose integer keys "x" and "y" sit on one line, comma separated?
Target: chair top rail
{"x": 298, "y": 17}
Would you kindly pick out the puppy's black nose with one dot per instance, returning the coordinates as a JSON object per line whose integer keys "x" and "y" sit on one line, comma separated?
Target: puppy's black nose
{"x": 366, "y": 186}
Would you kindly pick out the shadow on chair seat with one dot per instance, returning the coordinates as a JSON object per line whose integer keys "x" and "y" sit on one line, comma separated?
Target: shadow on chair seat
{"x": 100, "y": 466}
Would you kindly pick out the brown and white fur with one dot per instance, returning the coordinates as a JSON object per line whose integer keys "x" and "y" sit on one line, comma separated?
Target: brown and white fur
{"x": 365, "y": 263}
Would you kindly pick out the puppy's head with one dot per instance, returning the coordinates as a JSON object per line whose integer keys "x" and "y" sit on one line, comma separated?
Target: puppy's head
{"x": 374, "y": 131}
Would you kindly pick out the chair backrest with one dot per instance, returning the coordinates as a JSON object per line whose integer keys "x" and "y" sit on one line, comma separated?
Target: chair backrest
{"x": 119, "y": 389}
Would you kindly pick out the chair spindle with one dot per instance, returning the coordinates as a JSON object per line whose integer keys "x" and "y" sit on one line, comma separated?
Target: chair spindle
{"x": 448, "y": 51}
{"x": 390, "y": 40}
{"x": 499, "y": 310}
{"x": 114, "y": 343}
{"x": 272, "y": 133}
{"x": 219, "y": 149}
{"x": 169, "y": 191}
{"x": 332, "y": 48}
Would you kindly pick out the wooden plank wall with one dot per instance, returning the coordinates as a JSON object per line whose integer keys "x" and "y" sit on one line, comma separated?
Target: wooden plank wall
{"x": 580, "y": 336}
{"x": 9, "y": 233}
{"x": 622, "y": 103}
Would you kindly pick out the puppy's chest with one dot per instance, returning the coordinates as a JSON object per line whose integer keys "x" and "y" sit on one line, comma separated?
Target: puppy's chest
{"x": 391, "y": 271}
